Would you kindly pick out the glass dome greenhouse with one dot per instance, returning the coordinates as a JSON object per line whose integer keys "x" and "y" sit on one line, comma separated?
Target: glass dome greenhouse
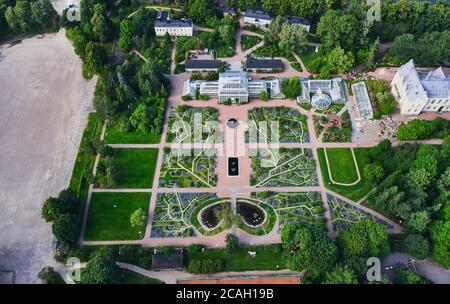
{"x": 320, "y": 100}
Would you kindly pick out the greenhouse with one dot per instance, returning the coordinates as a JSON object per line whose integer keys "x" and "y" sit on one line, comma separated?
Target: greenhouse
{"x": 320, "y": 100}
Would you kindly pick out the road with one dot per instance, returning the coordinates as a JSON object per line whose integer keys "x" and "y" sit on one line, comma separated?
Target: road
{"x": 427, "y": 268}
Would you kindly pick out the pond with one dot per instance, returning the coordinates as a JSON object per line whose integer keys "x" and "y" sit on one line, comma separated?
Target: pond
{"x": 233, "y": 166}
{"x": 251, "y": 214}
{"x": 208, "y": 215}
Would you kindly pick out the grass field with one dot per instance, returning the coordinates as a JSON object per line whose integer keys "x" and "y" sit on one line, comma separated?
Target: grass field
{"x": 114, "y": 135}
{"x": 355, "y": 192}
{"x": 131, "y": 277}
{"x": 267, "y": 258}
{"x": 109, "y": 216}
{"x": 136, "y": 168}
{"x": 342, "y": 166}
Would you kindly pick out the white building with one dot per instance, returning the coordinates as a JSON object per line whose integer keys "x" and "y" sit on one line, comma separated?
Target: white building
{"x": 233, "y": 86}
{"x": 332, "y": 87}
{"x": 257, "y": 17}
{"x": 183, "y": 27}
{"x": 418, "y": 92}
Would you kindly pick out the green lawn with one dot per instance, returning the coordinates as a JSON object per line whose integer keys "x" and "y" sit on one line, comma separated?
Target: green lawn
{"x": 267, "y": 258}
{"x": 115, "y": 136}
{"x": 136, "y": 167}
{"x": 131, "y": 277}
{"x": 109, "y": 216}
{"x": 342, "y": 166}
{"x": 355, "y": 192}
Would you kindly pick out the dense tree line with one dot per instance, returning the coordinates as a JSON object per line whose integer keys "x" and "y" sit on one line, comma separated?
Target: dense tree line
{"x": 64, "y": 214}
{"x": 23, "y": 17}
{"x": 418, "y": 129}
{"x": 342, "y": 262}
{"x": 413, "y": 187}
{"x": 427, "y": 50}
{"x": 415, "y": 17}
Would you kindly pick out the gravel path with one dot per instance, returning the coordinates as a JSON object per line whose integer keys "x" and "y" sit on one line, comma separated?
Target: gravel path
{"x": 44, "y": 102}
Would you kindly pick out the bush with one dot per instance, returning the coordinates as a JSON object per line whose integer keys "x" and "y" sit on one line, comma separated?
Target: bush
{"x": 205, "y": 266}
{"x": 194, "y": 248}
{"x": 231, "y": 242}
{"x": 417, "y": 246}
{"x": 186, "y": 97}
{"x": 49, "y": 276}
{"x": 101, "y": 270}
{"x": 66, "y": 228}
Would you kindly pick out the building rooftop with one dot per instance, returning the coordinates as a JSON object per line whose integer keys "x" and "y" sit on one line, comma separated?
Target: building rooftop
{"x": 362, "y": 99}
{"x": 297, "y": 20}
{"x": 258, "y": 14}
{"x": 254, "y": 63}
{"x": 433, "y": 84}
{"x": 162, "y": 15}
{"x": 203, "y": 64}
{"x": 174, "y": 23}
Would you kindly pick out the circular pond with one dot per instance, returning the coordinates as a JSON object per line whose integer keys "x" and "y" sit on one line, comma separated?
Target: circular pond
{"x": 232, "y": 123}
{"x": 251, "y": 214}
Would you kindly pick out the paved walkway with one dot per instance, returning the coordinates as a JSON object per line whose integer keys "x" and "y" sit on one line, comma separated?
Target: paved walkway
{"x": 427, "y": 268}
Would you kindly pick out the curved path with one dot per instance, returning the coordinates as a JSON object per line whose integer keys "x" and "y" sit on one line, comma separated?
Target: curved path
{"x": 427, "y": 268}
{"x": 331, "y": 175}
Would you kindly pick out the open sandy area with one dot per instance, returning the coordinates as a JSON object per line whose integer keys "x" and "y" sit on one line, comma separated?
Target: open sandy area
{"x": 44, "y": 105}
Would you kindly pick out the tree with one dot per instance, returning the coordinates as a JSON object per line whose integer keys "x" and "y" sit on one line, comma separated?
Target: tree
{"x": 291, "y": 87}
{"x": 292, "y": 37}
{"x": 101, "y": 27}
{"x": 101, "y": 270}
{"x": 374, "y": 173}
{"x": 364, "y": 239}
{"x": 341, "y": 29}
{"x": 226, "y": 214}
{"x": 95, "y": 59}
{"x": 48, "y": 275}
{"x": 231, "y": 242}
{"x": 264, "y": 96}
{"x": 404, "y": 275}
{"x": 67, "y": 202}
{"x": 139, "y": 119}
{"x": 126, "y": 35}
{"x": 138, "y": 218}
{"x": 340, "y": 274}
{"x": 307, "y": 248}
{"x": 273, "y": 32}
{"x": 308, "y": 8}
{"x": 200, "y": 10}
{"x": 339, "y": 62}
{"x": 65, "y": 228}
{"x": 440, "y": 241}
{"x": 418, "y": 221}
{"x": 416, "y": 129}
{"x": 417, "y": 246}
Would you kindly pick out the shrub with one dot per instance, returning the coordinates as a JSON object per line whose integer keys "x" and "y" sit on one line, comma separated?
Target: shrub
{"x": 49, "y": 276}
{"x": 417, "y": 246}
{"x": 231, "y": 242}
{"x": 205, "y": 266}
{"x": 195, "y": 248}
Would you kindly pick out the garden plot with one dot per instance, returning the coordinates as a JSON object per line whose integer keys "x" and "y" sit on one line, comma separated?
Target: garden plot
{"x": 305, "y": 207}
{"x": 343, "y": 214}
{"x": 283, "y": 167}
{"x": 192, "y": 125}
{"x": 277, "y": 124}
{"x": 188, "y": 168}
{"x": 173, "y": 212}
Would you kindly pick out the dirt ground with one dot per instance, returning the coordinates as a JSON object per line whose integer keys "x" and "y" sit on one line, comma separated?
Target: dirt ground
{"x": 44, "y": 102}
